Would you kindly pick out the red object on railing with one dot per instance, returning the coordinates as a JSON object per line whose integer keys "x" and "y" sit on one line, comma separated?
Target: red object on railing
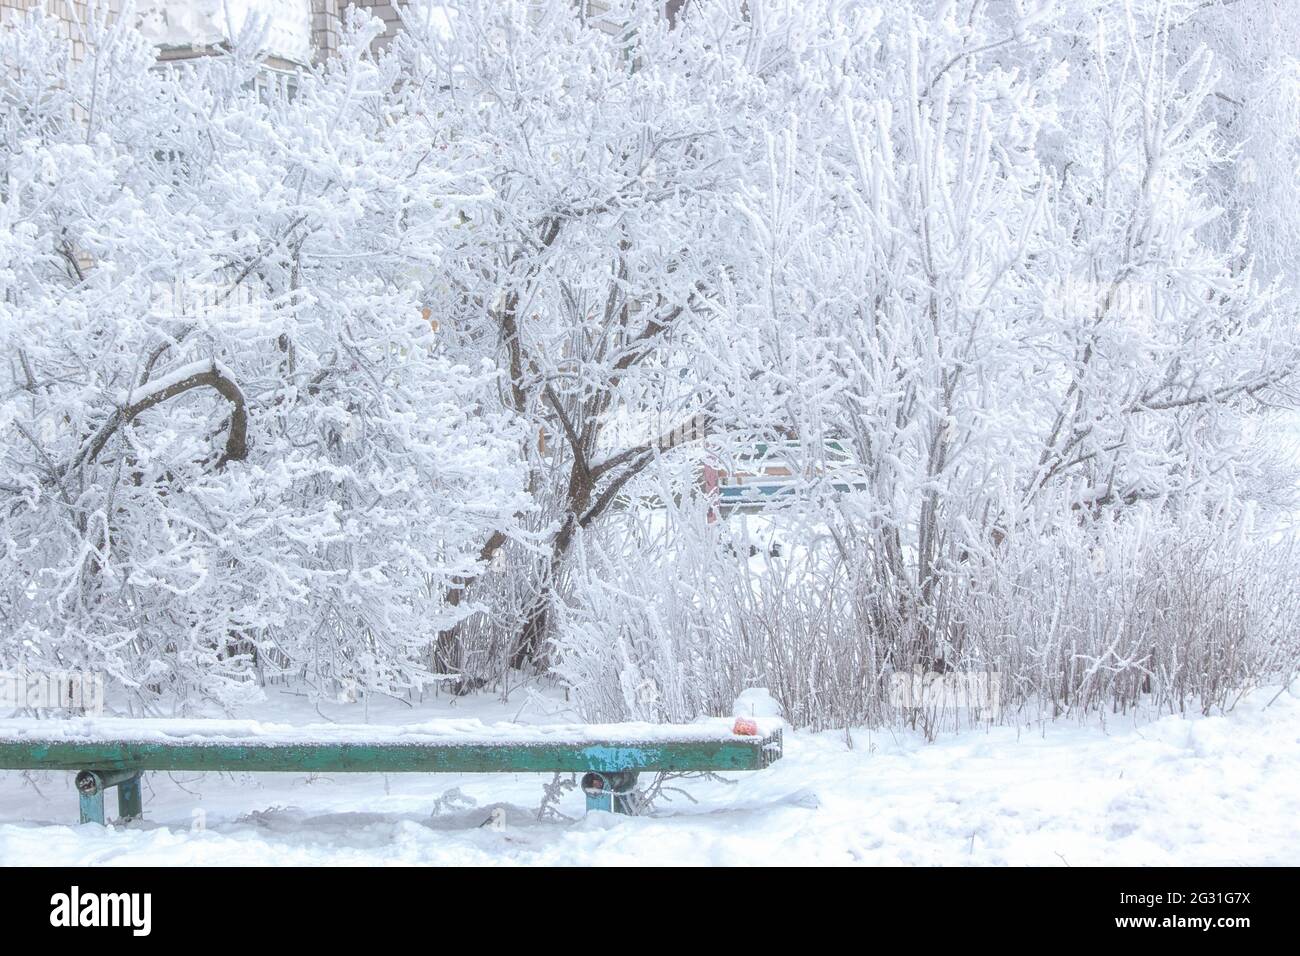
{"x": 745, "y": 727}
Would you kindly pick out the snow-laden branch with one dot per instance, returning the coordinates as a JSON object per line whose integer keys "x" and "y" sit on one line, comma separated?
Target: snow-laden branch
{"x": 206, "y": 373}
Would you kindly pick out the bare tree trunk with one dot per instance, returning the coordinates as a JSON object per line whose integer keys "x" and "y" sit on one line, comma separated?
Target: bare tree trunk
{"x": 578, "y": 511}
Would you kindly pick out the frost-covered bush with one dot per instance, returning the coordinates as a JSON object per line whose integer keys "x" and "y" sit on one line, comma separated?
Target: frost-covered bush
{"x": 232, "y": 444}
{"x": 1145, "y": 613}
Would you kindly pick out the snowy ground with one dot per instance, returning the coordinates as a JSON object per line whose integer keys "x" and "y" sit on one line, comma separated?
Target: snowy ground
{"x": 1220, "y": 790}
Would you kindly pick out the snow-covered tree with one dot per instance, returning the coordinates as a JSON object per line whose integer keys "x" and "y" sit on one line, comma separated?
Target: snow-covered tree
{"x": 991, "y": 245}
{"x": 1025, "y": 313}
{"x": 611, "y": 144}
{"x": 232, "y": 441}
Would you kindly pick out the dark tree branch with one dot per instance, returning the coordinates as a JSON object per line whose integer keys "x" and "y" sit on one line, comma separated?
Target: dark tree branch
{"x": 212, "y": 376}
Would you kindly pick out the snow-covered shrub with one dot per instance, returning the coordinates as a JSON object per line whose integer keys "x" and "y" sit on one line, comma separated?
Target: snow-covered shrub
{"x": 231, "y": 442}
{"x": 1181, "y": 614}
{"x": 672, "y": 623}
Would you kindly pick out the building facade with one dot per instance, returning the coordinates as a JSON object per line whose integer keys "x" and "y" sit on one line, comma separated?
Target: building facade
{"x": 68, "y": 12}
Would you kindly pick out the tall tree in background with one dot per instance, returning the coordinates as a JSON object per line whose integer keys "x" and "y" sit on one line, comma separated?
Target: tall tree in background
{"x": 1000, "y": 227}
